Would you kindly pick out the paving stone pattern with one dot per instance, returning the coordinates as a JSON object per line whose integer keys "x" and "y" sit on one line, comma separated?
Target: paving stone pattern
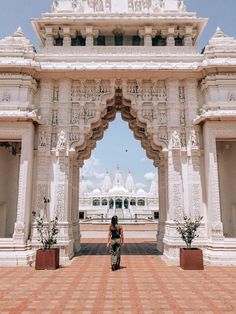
{"x": 144, "y": 284}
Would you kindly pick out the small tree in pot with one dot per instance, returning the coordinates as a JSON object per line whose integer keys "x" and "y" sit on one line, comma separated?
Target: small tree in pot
{"x": 190, "y": 258}
{"x": 47, "y": 257}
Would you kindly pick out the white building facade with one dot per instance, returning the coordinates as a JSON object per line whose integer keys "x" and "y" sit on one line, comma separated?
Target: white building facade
{"x": 118, "y": 197}
{"x": 99, "y": 57}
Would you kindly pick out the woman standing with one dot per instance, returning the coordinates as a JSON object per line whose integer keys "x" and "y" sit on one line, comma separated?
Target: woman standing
{"x": 115, "y": 240}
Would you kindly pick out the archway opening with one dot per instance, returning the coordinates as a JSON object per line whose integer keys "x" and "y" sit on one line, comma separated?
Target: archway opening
{"x": 9, "y": 178}
{"x": 120, "y": 172}
{"x": 226, "y": 153}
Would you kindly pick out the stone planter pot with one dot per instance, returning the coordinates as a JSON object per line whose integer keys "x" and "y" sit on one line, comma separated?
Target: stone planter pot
{"x": 47, "y": 259}
{"x": 191, "y": 259}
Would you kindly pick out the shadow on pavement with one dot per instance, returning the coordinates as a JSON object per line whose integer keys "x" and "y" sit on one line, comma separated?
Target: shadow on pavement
{"x": 146, "y": 248}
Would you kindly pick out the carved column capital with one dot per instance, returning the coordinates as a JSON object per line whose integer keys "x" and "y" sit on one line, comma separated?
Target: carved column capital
{"x": 49, "y": 36}
{"x": 66, "y": 36}
{"x": 89, "y": 33}
{"x": 147, "y": 33}
{"x": 170, "y": 36}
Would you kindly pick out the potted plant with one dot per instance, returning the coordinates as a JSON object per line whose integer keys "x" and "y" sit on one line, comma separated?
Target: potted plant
{"x": 190, "y": 258}
{"x": 46, "y": 257}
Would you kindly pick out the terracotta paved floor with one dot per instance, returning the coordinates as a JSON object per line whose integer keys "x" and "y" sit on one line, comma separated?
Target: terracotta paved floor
{"x": 145, "y": 284}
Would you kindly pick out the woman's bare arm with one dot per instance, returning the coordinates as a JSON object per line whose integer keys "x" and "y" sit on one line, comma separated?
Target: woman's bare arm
{"x": 109, "y": 237}
{"x": 121, "y": 236}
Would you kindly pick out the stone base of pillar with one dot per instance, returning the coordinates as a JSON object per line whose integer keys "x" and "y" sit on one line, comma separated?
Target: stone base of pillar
{"x": 14, "y": 253}
{"x": 66, "y": 250}
{"x": 171, "y": 243}
{"x": 221, "y": 253}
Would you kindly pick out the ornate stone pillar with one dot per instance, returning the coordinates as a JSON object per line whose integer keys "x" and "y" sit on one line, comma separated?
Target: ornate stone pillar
{"x": 23, "y": 215}
{"x": 147, "y": 33}
{"x": 175, "y": 192}
{"x": 49, "y": 37}
{"x": 194, "y": 183}
{"x": 215, "y": 226}
{"x": 89, "y": 33}
{"x": 170, "y": 37}
{"x": 66, "y": 37}
{"x": 162, "y": 190}
{"x": 188, "y": 40}
{"x": 63, "y": 199}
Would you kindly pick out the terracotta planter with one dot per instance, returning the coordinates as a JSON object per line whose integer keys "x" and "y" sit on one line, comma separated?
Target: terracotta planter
{"x": 191, "y": 259}
{"x": 47, "y": 259}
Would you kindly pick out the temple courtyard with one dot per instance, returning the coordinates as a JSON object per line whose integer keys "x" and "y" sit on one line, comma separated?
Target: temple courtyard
{"x": 144, "y": 284}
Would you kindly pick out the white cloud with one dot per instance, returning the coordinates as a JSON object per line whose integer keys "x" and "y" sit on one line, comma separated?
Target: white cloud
{"x": 140, "y": 185}
{"x": 90, "y": 166}
{"x": 90, "y": 185}
{"x": 98, "y": 175}
{"x": 149, "y": 176}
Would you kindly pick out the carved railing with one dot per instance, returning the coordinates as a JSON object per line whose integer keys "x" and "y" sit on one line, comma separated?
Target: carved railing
{"x": 120, "y": 50}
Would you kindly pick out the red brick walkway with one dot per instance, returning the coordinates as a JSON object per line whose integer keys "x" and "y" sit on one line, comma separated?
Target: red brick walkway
{"x": 145, "y": 284}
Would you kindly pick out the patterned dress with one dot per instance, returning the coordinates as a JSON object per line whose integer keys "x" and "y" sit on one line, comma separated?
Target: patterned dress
{"x": 115, "y": 248}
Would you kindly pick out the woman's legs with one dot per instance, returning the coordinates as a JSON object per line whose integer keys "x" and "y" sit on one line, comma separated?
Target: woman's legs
{"x": 115, "y": 254}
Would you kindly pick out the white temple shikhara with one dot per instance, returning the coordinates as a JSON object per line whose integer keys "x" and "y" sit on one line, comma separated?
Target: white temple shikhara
{"x": 139, "y": 58}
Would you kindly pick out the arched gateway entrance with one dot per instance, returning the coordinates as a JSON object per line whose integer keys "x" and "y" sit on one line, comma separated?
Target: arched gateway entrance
{"x": 147, "y": 106}
{"x": 97, "y": 58}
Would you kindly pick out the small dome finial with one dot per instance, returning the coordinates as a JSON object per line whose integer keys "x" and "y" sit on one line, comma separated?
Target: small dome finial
{"x": 19, "y": 32}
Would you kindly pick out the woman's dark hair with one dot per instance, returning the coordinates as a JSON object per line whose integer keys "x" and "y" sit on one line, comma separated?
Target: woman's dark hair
{"x": 114, "y": 221}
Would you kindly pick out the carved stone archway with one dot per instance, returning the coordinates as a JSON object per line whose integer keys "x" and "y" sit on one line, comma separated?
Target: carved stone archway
{"x": 158, "y": 114}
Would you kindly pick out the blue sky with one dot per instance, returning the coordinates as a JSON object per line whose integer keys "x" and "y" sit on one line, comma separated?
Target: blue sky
{"x": 118, "y": 147}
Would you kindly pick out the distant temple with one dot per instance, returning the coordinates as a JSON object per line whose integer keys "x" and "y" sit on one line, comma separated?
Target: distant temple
{"x": 120, "y": 198}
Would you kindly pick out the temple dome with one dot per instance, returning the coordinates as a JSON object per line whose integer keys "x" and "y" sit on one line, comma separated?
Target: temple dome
{"x": 96, "y": 191}
{"x": 17, "y": 45}
{"x": 141, "y": 192}
{"x": 118, "y": 180}
{"x": 220, "y": 44}
{"x": 106, "y": 184}
{"x": 118, "y": 190}
{"x": 130, "y": 186}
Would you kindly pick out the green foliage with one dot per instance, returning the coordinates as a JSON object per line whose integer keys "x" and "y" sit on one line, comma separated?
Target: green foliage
{"x": 188, "y": 229}
{"x": 47, "y": 230}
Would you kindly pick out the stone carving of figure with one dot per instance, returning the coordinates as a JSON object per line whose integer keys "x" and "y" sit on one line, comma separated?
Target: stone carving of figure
{"x": 194, "y": 138}
{"x": 43, "y": 139}
{"x": 138, "y": 6}
{"x": 231, "y": 97}
{"x": 157, "y": 5}
{"x": 182, "y": 6}
{"x": 181, "y": 94}
{"x": 54, "y": 6}
{"x": 162, "y": 118}
{"x": 182, "y": 118}
{"x": 175, "y": 140}
{"x": 54, "y": 118}
{"x": 61, "y": 140}
{"x": 146, "y": 4}
{"x": 108, "y": 5}
{"x": 130, "y": 5}
{"x": 99, "y": 6}
{"x": 183, "y": 140}
{"x": 6, "y": 97}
